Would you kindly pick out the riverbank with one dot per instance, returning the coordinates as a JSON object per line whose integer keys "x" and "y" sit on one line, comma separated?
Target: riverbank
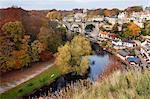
{"x": 41, "y": 80}
{"x": 103, "y": 64}
{"x": 60, "y": 82}
{"x": 128, "y": 84}
{"x": 44, "y": 78}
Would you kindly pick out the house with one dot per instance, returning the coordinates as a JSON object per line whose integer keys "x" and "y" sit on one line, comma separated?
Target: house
{"x": 104, "y": 35}
{"x": 79, "y": 17}
{"x": 113, "y": 36}
{"x": 122, "y": 15}
{"x": 123, "y": 53}
{"x": 122, "y": 18}
{"x": 68, "y": 19}
{"x": 133, "y": 60}
{"x": 129, "y": 43}
{"x": 145, "y": 49}
{"x": 98, "y": 18}
{"x": 117, "y": 42}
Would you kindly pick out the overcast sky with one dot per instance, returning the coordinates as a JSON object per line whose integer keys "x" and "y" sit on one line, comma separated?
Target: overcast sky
{"x": 70, "y": 4}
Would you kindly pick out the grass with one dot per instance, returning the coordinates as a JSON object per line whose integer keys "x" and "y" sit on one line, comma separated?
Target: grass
{"x": 27, "y": 87}
{"x": 119, "y": 85}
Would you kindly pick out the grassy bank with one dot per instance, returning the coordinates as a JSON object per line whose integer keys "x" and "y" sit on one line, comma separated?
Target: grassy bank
{"x": 44, "y": 78}
{"x": 119, "y": 85}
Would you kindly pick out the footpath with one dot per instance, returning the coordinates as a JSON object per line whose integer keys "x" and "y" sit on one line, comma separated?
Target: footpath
{"x": 12, "y": 79}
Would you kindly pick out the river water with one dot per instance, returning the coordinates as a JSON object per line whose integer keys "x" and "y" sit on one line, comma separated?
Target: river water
{"x": 98, "y": 64}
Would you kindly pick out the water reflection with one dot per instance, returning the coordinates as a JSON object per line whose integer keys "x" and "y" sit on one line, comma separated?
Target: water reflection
{"x": 100, "y": 64}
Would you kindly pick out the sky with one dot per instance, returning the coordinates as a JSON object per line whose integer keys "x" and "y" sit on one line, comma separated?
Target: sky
{"x": 70, "y": 4}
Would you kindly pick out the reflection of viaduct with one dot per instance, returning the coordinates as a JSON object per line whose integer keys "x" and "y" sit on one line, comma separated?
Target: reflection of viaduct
{"x": 80, "y": 27}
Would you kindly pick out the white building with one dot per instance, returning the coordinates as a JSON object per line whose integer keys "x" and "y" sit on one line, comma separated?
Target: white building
{"x": 68, "y": 19}
{"x": 111, "y": 20}
{"x": 98, "y": 18}
{"x": 140, "y": 17}
{"x": 79, "y": 17}
{"x": 122, "y": 18}
{"x": 117, "y": 42}
{"x": 145, "y": 49}
{"x": 122, "y": 15}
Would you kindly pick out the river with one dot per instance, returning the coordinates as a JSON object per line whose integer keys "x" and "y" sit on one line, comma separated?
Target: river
{"x": 98, "y": 64}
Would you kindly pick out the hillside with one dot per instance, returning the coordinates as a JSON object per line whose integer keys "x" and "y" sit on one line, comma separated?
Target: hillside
{"x": 31, "y": 20}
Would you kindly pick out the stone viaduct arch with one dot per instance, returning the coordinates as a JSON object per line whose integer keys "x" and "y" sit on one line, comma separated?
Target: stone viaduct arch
{"x": 80, "y": 26}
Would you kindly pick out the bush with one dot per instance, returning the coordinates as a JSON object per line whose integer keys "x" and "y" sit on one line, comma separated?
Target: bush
{"x": 130, "y": 84}
{"x": 46, "y": 56}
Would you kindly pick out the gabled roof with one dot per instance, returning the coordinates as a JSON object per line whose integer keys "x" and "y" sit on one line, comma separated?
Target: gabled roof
{"x": 105, "y": 33}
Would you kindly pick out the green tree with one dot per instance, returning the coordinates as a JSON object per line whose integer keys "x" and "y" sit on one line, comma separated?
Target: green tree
{"x": 63, "y": 57}
{"x": 36, "y": 48}
{"x": 14, "y": 30}
{"x": 115, "y": 28}
{"x": 44, "y": 36}
{"x": 71, "y": 56}
{"x": 14, "y": 49}
{"x": 146, "y": 29}
{"x": 20, "y": 58}
{"x": 80, "y": 46}
{"x": 52, "y": 38}
{"x": 54, "y": 15}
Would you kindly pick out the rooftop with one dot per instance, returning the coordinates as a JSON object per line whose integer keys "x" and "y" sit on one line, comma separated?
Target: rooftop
{"x": 134, "y": 59}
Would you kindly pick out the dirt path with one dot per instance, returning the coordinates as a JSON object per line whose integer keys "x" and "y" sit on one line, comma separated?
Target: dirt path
{"x": 14, "y": 78}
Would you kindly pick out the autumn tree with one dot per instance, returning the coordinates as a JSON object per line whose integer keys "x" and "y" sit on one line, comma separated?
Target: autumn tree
{"x": 36, "y": 48}
{"x": 22, "y": 58}
{"x": 92, "y": 13}
{"x": 146, "y": 29}
{"x": 110, "y": 13}
{"x": 107, "y": 13}
{"x": 44, "y": 35}
{"x": 115, "y": 28}
{"x": 14, "y": 49}
{"x": 132, "y": 31}
{"x": 6, "y": 47}
{"x": 19, "y": 59}
{"x": 52, "y": 38}
{"x": 129, "y": 10}
{"x": 71, "y": 56}
{"x": 54, "y": 15}
{"x": 14, "y": 30}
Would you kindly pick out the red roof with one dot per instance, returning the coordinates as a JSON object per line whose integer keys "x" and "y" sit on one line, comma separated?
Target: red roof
{"x": 105, "y": 33}
{"x": 113, "y": 35}
{"x": 146, "y": 12}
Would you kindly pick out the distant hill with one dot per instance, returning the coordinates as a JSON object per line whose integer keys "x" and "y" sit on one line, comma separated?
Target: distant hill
{"x": 134, "y": 9}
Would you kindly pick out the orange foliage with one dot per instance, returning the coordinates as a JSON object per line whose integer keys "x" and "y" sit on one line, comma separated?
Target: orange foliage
{"x": 133, "y": 30}
{"x": 107, "y": 13}
{"x": 18, "y": 64}
{"x": 18, "y": 54}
